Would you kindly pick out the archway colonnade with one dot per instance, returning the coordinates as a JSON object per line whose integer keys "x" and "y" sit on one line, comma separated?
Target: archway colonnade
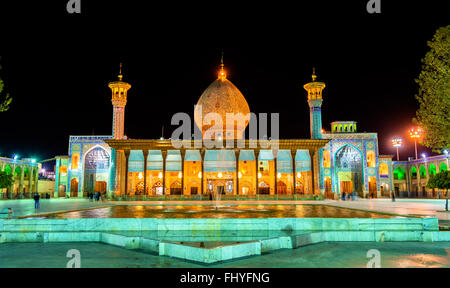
{"x": 154, "y": 167}
{"x": 25, "y": 175}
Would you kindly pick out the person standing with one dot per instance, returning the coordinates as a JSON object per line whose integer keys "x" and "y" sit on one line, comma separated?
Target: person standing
{"x": 36, "y": 200}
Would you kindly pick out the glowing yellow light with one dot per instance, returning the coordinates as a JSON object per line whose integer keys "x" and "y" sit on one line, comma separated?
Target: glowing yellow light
{"x": 220, "y": 175}
{"x": 397, "y": 142}
{"x": 200, "y": 175}
{"x": 180, "y": 175}
{"x": 259, "y": 175}
{"x": 279, "y": 175}
{"x": 140, "y": 176}
{"x": 160, "y": 176}
{"x": 240, "y": 175}
{"x": 299, "y": 175}
{"x": 415, "y": 133}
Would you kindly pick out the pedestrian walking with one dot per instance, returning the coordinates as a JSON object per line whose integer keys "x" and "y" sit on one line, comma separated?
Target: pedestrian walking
{"x": 36, "y": 200}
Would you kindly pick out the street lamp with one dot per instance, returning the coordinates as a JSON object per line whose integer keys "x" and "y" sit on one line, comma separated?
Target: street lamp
{"x": 416, "y": 134}
{"x": 397, "y": 143}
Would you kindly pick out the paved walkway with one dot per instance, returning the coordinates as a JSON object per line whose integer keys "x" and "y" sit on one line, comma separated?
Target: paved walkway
{"x": 423, "y": 207}
{"x": 25, "y": 207}
{"x": 324, "y": 255}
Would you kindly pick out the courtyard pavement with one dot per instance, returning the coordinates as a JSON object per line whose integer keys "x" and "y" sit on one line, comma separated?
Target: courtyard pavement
{"x": 324, "y": 255}
{"x": 422, "y": 207}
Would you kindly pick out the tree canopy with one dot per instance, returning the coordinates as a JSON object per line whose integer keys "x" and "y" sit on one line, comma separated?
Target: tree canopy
{"x": 440, "y": 181}
{"x": 4, "y": 104}
{"x": 5, "y": 180}
{"x": 434, "y": 92}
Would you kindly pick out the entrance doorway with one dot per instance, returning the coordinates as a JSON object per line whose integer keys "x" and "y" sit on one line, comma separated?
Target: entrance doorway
{"x": 100, "y": 186}
{"x": 62, "y": 190}
{"x": 328, "y": 193}
{"x": 281, "y": 188}
{"x": 347, "y": 187}
{"x": 74, "y": 187}
{"x": 264, "y": 188}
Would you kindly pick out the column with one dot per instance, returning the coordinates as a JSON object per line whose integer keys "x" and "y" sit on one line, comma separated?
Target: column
{"x": 183, "y": 153}
{"x": 293, "y": 154}
{"x": 127, "y": 156}
{"x": 236, "y": 152}
{"x": 202, "y": 155}
{"x": 30, "y": 179}
{"x": 11, "y": 189}
{"x": 22, "y": 174}
{"x": 164, "y": 155}
{"x": 145, "y": 152}
{"x": 313, "y": 168}
{"x": 275, "y": 174}
{"x": 256, "y": 164}
{"x": 36, "y": 179}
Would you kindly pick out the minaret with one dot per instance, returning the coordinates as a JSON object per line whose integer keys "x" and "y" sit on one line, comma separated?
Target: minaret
{"x": 119, "y": 91}
{"x": 315, "y": 105}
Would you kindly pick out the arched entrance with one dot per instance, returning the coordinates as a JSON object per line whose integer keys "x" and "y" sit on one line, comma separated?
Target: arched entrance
{"x": 264, "y": 188}
{"x": 74, "y": 187}
{"x": 281, "y": 188}
{"x": 348, "y": 169}
{"x": 175, "y": 188}
{"x": 328, "y": 193}
{"x": 157, "y": 188}
{"x": 96, "y": 170}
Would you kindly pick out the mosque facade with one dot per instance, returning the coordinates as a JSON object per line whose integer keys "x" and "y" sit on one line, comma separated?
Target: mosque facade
{"x": 328, "y": 163}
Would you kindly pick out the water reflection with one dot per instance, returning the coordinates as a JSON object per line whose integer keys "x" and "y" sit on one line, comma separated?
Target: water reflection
{"x": 237, "y": 211}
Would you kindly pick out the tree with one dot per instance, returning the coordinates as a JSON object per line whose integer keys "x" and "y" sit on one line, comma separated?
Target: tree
{"x": 4, "y": 104}
{"x": 5, "y": 180}
{"x": 440, "y": 181}
{"x": 434, "y": 92}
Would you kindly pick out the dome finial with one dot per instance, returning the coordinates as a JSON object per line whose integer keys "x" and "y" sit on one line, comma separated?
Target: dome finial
{"x": 314, "y": 76}
{"x": 222, "y": 72}
{"x": 120, "y": 72}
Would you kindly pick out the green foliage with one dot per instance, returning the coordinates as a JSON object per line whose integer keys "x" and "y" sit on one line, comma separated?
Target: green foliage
{"x": 5, "y": 180}
{"x": 434, "y": 92}
{"x": 440, "y": 181}
{"x": 4, "y": 104}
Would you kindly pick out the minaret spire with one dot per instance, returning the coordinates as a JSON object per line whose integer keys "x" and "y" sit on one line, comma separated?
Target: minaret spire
{"x": 120, "y": 72}
{"x": 222, "y": 72}
{"x": 119, "y": 90}
{"x": 315, "y": 100}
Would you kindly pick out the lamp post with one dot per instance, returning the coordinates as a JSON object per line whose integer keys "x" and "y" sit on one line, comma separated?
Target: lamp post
{"x": 415, "y": 134}
{"x": 397, "y": 143}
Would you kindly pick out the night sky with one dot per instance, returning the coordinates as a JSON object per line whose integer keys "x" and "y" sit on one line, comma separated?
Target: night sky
{"x": 57, "y": 66}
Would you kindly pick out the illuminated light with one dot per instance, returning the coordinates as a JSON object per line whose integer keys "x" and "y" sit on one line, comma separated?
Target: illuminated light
{"x": 16, "y": 157}
{"x": 424, "y": 155}
{"x": 397, "y": 142}
{"x": 220, "y": 175}
{"x": 180, "y": 175}
{"x": 322, "y": 130}
{"x": 240, "y": 175}
{"x": 445, "y": 152}
{"x": 33, "y": 160}
{"x": 416, "y": 133}
{"x": 200, "y": 175}
{"x": 160, "y": 176}
{"x": 299, "y": 175}
{"x": 259, "y": 175}
{"x": 140, "y": 176}
{"x": 279, "y": 175}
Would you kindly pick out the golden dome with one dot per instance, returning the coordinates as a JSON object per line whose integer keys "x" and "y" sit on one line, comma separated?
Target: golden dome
{"x": 222, "y": 97}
